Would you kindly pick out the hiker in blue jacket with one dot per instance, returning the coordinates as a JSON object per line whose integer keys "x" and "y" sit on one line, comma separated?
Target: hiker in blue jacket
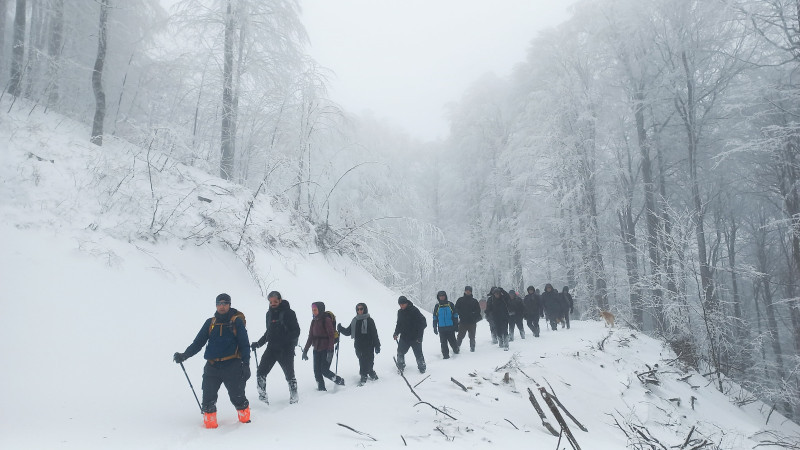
{"x": 228, "y": 360}
{"x": 445, "y": 323}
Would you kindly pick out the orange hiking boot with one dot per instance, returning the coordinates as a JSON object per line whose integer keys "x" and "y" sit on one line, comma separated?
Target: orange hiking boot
{"x": 210, "y": 420}
{"x": 244, "y": 415}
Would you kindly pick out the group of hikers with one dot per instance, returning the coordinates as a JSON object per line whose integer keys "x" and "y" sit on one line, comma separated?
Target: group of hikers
{"x": 227, "y": 352}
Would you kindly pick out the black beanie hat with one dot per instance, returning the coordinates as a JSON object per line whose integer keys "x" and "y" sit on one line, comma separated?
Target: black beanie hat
{"x": 467, "y": 288}
{"x": 402, "y": 300}
{"x": 440, "y": 293}
{"x": 223, "y": 298}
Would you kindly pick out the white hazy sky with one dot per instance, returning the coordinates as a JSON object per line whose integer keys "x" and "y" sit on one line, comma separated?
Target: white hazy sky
{"x": 405, "y": 59}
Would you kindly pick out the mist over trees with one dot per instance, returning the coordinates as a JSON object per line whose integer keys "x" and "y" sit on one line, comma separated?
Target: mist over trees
{"x": 645, "y": 154}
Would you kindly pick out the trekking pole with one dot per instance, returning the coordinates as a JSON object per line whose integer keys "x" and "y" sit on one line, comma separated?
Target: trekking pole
{"x": 256, "y": 355}
{"x": 190, "y": 385}
{"x": 337, "y": 360}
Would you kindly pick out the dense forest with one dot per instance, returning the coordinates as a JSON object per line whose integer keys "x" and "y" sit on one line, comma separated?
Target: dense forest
{"x": 645, "y": 154}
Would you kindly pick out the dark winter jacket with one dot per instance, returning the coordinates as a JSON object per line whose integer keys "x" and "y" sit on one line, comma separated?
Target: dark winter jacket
{"x": 468, "y": 309}
{"x": 533, "y": 307}
{"x": 411, "y": 323}
{"x": 566, "y": 301}
{"x": 363, "y": 331}
{"x": 498, "y": 308}
{"x": 283, "y": 331}
{"x": 516, "y": 307}
{"x": 223, "y": 343}
{"x": 445, "y": 317}
{"x": 551, "y": 300}
{"x": 321, "y": 333}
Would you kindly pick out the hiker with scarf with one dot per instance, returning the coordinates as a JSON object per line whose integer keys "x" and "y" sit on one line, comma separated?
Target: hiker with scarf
{"x": 363, "y": 331}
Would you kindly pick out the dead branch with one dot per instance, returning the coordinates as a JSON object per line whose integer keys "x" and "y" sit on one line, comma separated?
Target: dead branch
{"x": 688, "y": 438}
{"x": 406, "y": 380}
{"x": 437, "y": 409}
{"x": 464, "y": 388}
{"x": 420, "y": 381}
{"x": 39, "y": 158}
{"x": 560, "y": 419}
{"x": 512, "y": 423}
{"x": 539, "y": 410}
{"x": 356, "y": 431}
{"x": 560, "y": 405}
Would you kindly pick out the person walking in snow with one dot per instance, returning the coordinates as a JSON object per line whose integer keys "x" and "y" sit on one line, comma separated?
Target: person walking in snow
{"x": 227, "y": 360}
{"x": 445, "y": 324}
{"x": 366, "y": 342}
{"x": 321, "y": 335}
{"x": 533, "y": 310}
{"x": 551, "y": 301}
{"x": 567, "y": 305}
{"x": 408, "y": 333}
{"x": 516, "y": 310}
{"x": 281, "y": 337}
{"x": 498, "y": 309}
{"x": 469, "y": 314}
{"x": 487, "y": 309}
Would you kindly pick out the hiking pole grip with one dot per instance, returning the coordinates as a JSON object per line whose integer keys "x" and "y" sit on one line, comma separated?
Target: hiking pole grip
{"x": 192, "y": 387}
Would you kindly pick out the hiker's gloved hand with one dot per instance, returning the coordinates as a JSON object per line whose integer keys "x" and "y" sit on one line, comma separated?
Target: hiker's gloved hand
{"x": 245, "y": 371}
{"x": 305, "y": 355}
{"x": 339, "y": 328}
{"x": 329, "y": 356}
{"x": 377, "y": 350}
{"x": 178, "y": 357}
{"x": 395, "y": 337}
{"x": 254, "y": 345}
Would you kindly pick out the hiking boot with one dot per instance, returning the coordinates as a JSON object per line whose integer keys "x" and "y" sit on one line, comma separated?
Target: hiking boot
{"x": 321, "y": 386}
{"x": 456, "y": 350}
{"x": 363, "y": 380}
{"x": 445, "y": 356}
{"x": 494, "y": 339}
{"x": 293, "y": 397}
{"x": 472, "y": 348}
{"x": 262, "y": 396}
{"x": 244, "y": 415}
{"x": 261, "y": 383}
{"x": 210, "y": 420}
{"x": 511, "y": 337}
{"x": 339, "y": 380}
{"x": 421, "y": 365}
{"x": 373, "y": 375}
{"x": 401, "y": 362}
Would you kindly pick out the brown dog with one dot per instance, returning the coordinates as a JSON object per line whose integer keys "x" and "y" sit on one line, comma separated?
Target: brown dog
{"x": 609, "y": 318}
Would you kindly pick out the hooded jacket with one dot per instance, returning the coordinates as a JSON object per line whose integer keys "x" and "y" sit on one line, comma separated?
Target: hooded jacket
{"x": 533, "y": 306}
{"x": 497, "y": 308}
{"x": 363, "y": 331}
{"x": 321, "y": 334}
{"x": 223, "y": 343}
{"x": 445, "y": 317}
{"x": 552, "y": 302}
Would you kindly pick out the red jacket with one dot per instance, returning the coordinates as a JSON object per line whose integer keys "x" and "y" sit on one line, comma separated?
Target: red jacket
{"x": 320, "y": 333}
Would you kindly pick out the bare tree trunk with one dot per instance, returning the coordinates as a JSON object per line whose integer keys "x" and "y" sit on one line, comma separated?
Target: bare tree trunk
{"x": 54, "y": 48}
{"x": 730, "y": 241}
{"x": 766, "y": 284}
{"x": 97, "y": 77}
{"x": 18, "y": 50}
{"x": 3, "y": 11}
{"x": 226, "y": 163}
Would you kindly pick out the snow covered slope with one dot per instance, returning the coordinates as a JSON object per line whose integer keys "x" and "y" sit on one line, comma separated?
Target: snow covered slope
{"x": 97, "y": 295}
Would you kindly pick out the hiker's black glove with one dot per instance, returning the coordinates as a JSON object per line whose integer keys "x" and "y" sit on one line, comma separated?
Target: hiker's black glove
{"x": 377, "y": 350}
{"x": 340, "y": 328}
{"x": 254, "y": 345}
{"x": 178, "y": 357}
{"x": 245, "y": 371}
{"x": 329, "y": 356}
{"x": 305, "y": 355}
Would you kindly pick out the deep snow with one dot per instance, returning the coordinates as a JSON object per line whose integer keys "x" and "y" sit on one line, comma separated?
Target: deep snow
{"x": 94, "y": 307}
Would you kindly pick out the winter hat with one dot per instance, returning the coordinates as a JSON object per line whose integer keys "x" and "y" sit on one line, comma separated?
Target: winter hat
{"x": 531, "y": 288}
{"x": 512, "y": 292}
{"x": 467, "y": 288}
{"x": 402, "y": 299}
{"x": 320, "y": 307}
{"x": 566, "y": 289}
{"x": 363, "y": 305}
{"x": 440, "y": 293}
{"x": 223, "y": 298}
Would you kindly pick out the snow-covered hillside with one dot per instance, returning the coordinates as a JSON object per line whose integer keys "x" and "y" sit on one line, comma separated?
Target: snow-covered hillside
{"x": 104, "y": 278}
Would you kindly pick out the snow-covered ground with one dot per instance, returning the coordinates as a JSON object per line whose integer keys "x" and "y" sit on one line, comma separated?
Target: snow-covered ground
{"x": 94, "y": 307}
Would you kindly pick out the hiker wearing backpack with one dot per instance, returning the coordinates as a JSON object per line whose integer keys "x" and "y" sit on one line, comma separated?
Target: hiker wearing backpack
{"x": 281, "y": 339}
{"x": 363, "y": 331}
{"x": 445, "y": 324}
{"x": 322, "y": 336}
{"x": 408, "y": 333}
{"x": 227, "y": 359}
